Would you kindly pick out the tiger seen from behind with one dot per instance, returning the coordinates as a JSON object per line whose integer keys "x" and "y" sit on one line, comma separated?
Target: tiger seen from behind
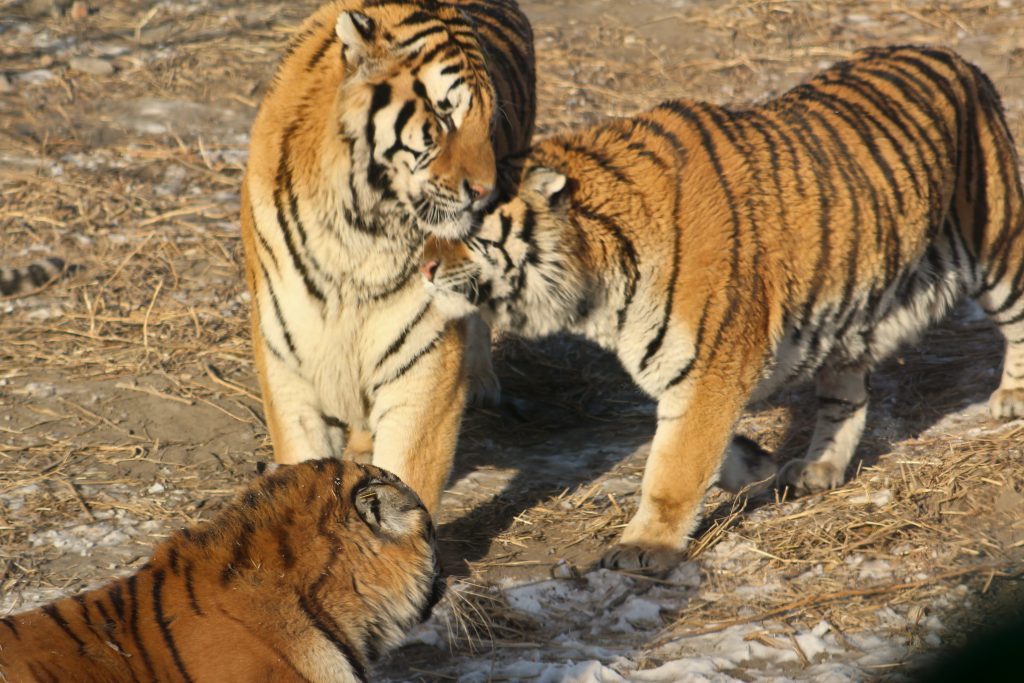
{"x": 386, "y": 121}
{"x": 723, "y": 254}
{"x": 312, "y": 574}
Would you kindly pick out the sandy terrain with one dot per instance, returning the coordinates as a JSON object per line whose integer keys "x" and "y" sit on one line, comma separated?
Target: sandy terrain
{"x": 129, "y": 407}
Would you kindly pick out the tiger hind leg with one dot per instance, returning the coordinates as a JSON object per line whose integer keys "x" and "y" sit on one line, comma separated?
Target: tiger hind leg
{"x": 842, "y": 409}
{"x": 1007, "y": 401}
{"x": 1001, "y": 296}
{"x": 747, "y": 467}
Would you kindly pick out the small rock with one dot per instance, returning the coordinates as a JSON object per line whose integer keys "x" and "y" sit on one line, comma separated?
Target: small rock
{"x": 91, "y": 65}
{"x": 5, "y": 84}
{"x": 35, "y": 77}
{"x": 155, "y": 488}
{"x": 564, "y": 570}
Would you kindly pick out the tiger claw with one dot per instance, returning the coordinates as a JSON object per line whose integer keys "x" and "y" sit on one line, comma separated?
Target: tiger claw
{"x": 640, "y": 559}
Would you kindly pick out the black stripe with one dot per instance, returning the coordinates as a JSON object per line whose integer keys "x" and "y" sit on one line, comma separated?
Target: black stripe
{"x": 411, "y": 362}
{"x": 9, "y": 623}
{"x": 108, "y": 629}
{"x": 380, "y": 99}
{"x": 190, "y": 590}
{"x": 283, "y": 183}
{"x": 240, "y": 552}
{"x": 690, "y": 117}
{"x": 698, "y": 344}
{"x": 332, "y": 421}
{"x": 84, "y": 609}
{"x": 632, "y": 268}
{"x": 598, "y": 159}
{"x": 133, "y": 624}
{"x": 54, "y": 613}
{"x": 279, "y": 315}
{"x": 316, "y": 614}
{"x": 404, "y": 115}
{"x": 164, "y": 626}
{"x": 843, "y": 403}
{"x": 42, "y": 673}
{"x": 420, "y": 35}
{"x": 409, "y": 270}
{"x": 284, "y": 548}
{"x": 397, "y": 343}
{"x": 321, "y": 51}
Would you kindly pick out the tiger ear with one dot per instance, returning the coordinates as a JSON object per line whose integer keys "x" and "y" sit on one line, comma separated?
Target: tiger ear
{"x": 549, "y": 184}
{"x": 385, "y": 508}
{"x": 357, "y": 33}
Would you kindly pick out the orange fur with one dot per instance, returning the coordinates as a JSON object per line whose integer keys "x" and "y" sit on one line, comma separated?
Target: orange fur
{"x": 386, "y": 120}
{"x": 723, "y": 254}
{"x": 311, "y": 574}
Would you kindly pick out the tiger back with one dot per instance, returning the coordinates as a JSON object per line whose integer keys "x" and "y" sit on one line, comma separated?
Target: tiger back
{"x": 386, "y": 121}
{"x": 723, "y": 254}
{"x": 313, "y": 573}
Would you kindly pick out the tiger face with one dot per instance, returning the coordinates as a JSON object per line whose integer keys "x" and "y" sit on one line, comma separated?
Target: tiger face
{"x": 418, "y": 104}
{"x": 522, "y": 258}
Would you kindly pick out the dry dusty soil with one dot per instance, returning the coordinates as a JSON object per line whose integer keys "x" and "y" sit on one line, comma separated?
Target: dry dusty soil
{"x": 129, "y": 407}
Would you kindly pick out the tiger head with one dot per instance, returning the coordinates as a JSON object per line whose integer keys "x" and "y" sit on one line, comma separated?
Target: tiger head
{"x": 355, "y": 532}
{"x": 521, "y": 269}
{"x": 419, "y": 106}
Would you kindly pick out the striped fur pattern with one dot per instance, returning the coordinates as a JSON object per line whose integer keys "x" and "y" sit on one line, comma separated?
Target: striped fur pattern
{"x": 313, "y": 573}
{"x": 386, "y": 120}
{"x": 14, "y": 281}
{"x": 723, "y": 254}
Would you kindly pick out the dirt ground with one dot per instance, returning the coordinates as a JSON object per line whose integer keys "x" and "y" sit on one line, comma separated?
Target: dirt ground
{"x": 129, "y": 407}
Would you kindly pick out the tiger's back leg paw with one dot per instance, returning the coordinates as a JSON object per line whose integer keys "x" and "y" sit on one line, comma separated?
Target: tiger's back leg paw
{"x": 640, "y": 559}
{"x": 746, "y": 466}
{"x": 1006, "y": 404}
{"x": 484, "y": 389}
{"x": 803, "y": 477}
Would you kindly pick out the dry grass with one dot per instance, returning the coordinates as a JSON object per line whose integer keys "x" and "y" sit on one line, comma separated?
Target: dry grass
{"x": 136, "y": 369}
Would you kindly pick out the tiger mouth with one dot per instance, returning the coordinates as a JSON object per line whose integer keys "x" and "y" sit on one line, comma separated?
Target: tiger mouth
{"x": 437, "y": 211}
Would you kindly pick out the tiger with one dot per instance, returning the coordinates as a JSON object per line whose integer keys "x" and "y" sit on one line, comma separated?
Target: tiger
{"x": 15, "y": 281}
{"x": 311, "y": 574}
{"x": 723, "y": 254}
{"x": 386, "y": 121}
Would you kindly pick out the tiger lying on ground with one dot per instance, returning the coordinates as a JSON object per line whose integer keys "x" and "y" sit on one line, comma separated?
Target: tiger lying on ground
{"x": 33, "y": 276}
{"x": 723, "y": 254}
{"x": 313, "y": 572}
{"x": 385, "y": 120}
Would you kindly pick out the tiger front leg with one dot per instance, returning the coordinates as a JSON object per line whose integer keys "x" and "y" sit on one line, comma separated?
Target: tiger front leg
{"x": 695, "y": 425}
{"x": 299, "y": 429}
{"x": 416, "y": 418}
{"x": 842, "y": 409}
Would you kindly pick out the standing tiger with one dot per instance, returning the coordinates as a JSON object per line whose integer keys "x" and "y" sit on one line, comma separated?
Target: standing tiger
{"x": 314, "y": 572}
{"x": 723, "y": 254}
{"x": 386, "y": 120}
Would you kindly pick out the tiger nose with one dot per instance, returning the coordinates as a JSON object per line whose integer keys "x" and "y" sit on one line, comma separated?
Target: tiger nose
{"x": 478, "y": 191}
{"x": 429, "y": 269}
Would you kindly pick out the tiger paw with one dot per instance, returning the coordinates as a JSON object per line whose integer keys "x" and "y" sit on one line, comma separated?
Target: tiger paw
{"x": 1006, "y": 404}
{"x": 484, "y": 389}
{"x": 746, "y": 465}
{"x": 803, "y": 477}
{"x": 641, "y": 559}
